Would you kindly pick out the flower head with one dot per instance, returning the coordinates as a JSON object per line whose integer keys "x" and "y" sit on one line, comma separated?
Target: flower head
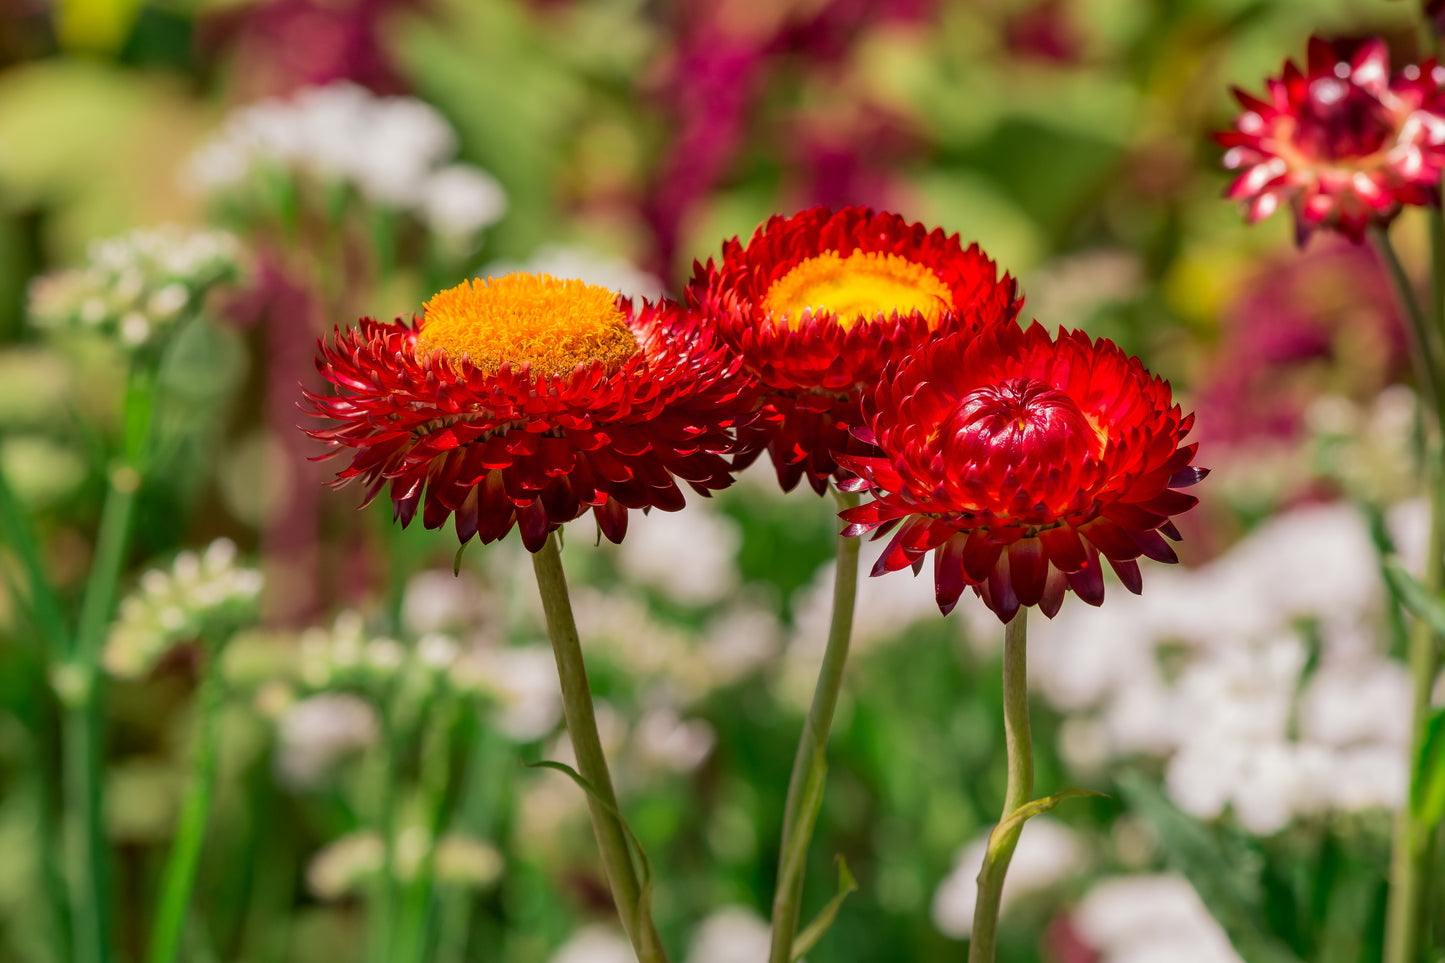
{"x": 1344, "y": 142}
{"x": 1018, "y": 460}
{"x": 528, "y": 400}
{"x": 818, "y": 303}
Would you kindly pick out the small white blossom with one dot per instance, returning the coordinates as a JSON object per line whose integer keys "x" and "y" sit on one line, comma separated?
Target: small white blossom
{"x": 595, "y": 944}
{"x": 135, "y": 287}
{"x": 318, "y": 732}
{"x": 733, "y": 934}
{"x": 395, "y": 152}
{"x": 198, "y": 594}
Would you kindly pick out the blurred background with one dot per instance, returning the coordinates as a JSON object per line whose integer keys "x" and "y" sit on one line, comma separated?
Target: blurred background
{"x": 292, "y": 165}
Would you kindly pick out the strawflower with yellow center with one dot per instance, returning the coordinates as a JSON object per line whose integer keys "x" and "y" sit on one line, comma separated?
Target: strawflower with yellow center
{"x": 529, "y": 400}
{"x": 818, "y": 303}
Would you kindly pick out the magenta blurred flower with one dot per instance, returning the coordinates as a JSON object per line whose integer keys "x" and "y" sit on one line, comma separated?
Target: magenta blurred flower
{"x": 1301, "y": 326}
{"x": 284, "y": 45}
{"x": 1345, "y": 142}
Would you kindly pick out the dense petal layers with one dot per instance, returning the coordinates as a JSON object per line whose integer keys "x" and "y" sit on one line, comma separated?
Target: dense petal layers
{"x": 1344, "y": 142}
{"x": 819, "y": 303}
{"x": 503, "y": 447}
{"x": 1020, "y": 461}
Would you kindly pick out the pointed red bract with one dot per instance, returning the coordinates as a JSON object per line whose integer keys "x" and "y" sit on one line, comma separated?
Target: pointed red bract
{"x": 814, "y": 368}
{"x": 498, "y": 449}
{"x": 1024, "y": 462}
{"x": 1344, "y": 143}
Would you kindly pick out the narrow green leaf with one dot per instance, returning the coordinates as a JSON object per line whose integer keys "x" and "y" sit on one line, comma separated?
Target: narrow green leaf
{"x": 1414, "y": 596}
{"x": 1028, "y": 811}
{"x": 813, "y": 932}
{"x": 457, "y": 560}
{"x": 1427, "y": 790}
{"x": 644, "y": 896}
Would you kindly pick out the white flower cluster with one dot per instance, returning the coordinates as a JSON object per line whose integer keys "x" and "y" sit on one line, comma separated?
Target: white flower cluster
{"x": 137, "y": 286}
{"x": 198, "y": 594}
{"x": 1141, "y": 919}
{"x": 344, "y": 866}
{"x": 396, "y": 152}
{"x": 1258, "y": 677}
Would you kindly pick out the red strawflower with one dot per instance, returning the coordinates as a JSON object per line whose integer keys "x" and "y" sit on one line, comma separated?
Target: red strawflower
{"x": 1019, "y": 460}
{"x": 529, "y": 400}
{"x": 818, "y": 303}
{"x": 1345, "y": 143}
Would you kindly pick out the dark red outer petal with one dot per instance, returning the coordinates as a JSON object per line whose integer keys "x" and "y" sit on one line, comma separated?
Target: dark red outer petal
{"x": 1153, "y": 546}
{"x": 1128, "y": 572}
{"x": 1030, "y": 568}
{"x": 949, "y": 580}
{"x": 1088, "y": 582}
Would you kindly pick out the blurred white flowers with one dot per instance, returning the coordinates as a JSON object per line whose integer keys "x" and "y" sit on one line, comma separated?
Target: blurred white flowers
{"x": 1259, "y": 677}
{"x": 137, "y": 286}
{"x": 733, "y": 934}
{"x": 395, "y": 152}
{"x": 317, "y": 733}
{"x": 1144, "y": 919}
{"x": 198, "y": 594}
{"x": 594, "y": 944}
{"x": 1048, "y": 852}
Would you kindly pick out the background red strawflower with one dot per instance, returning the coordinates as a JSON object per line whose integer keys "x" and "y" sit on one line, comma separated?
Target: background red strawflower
{"x": 1344, "y": 142}
{"x": 885, "y": 287}
{"x": 1019, "y": 460}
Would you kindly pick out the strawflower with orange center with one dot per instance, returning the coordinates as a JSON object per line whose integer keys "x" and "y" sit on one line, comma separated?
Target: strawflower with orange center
{"x": 527, "y": 400}
{"x": 818, "y": 303}
{"x": 1344, "y": 142}
{"x": 1021, "y": 461}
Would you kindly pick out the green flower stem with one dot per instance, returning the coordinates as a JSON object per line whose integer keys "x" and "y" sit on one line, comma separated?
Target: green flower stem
{"x": 805, "y": 786}
{"x": 80, "y": 682}
{"x": 381, "y": 901}
{"x": 414, "y": 922}
{"x": 1412, "y": 838}
{"x": 44, "y": 604}
{"x": 1427, "y": 353}
{"x": 185, "y": 855}
{"x": 612, "y": 840}
{"x": 1020, "y": 787}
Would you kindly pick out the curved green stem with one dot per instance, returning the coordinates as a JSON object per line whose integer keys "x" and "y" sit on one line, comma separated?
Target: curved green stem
{"x": 612, "y": 839}
{"x": 805, "y": 786}
{"x": 1020, "y": 787}
{"x": 185, "y": 856}
{"x": 1424, "y": 337}
{"x": 1411, "y": 842}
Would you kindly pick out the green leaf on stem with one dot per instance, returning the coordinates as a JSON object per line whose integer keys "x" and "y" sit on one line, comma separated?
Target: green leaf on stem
{"x": 457, "y": 559}
{"x": 1427, "y": 790}
{"x": 644, "y": 897}
{"x": 813, "y": 932}
{"x": 1410, "y": 593}
{"x": 1028, "y": 811}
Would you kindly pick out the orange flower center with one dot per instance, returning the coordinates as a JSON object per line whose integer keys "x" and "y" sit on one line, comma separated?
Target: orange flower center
{"x": 554, "y": 324}
{"x": 859, "y": 287}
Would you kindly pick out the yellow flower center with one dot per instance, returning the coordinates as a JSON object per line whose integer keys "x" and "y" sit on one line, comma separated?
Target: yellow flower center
{"x": 554, "y": 324}
{"x": 859, "y": 287}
